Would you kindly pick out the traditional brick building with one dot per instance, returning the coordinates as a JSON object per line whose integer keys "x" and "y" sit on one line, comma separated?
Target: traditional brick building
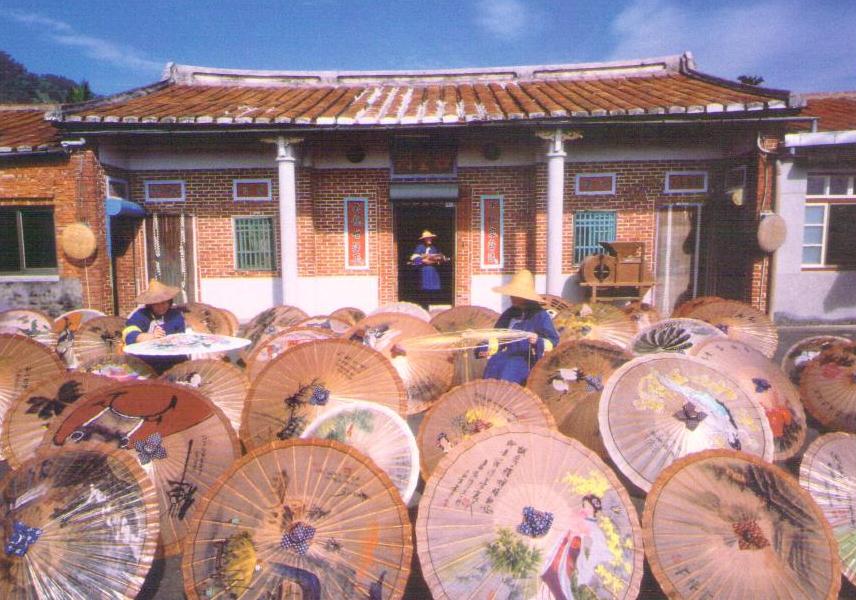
{"x": 312, "y": 188}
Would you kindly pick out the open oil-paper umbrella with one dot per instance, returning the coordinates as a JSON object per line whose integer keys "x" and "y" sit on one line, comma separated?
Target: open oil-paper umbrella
{"x": 122, "y": 367}
{"x": 24, "y": 363}
{"x": 184, "y": 344}
{"x": 463, "y": 317}
{"x": 30, "y": 323}
{"x": 72, "y": 319}
{"x": 264, "y": 352}
{"x": 222, "y": 383}
{"x": 426, "y": 375}
{"x": 726, "y": 525}
{"x": 673, "y": 335}
{"x": 269, "y": 322}
{"x": 740, "y": 322}
{"x": 204, "y": 318}
{"x": 570, "y": 380}
{"x": 300, "y": 519}
{"x": 349, "y": 314}
{"x": 98, "y": 337}
{"x": 29, "y": 416}
{"x": 300, "y": 384}
{"x": 684, "y": 309}
{"x": 828, "y": 387}
{"x": 379, "y": 433}
{"x": 182, "y": 440}
{"x": 334, "y": 325}
{"x": 763, "y": 380}
{"x": 656, "y": 409}
{"x": 523, "y": 512}
{"x": 596, "y": 321}
{"x": 797, "y": 356}
{"x": 79, "y": 523}
{"x": 555, "y": 304}
{"x": 828, "y": 472}
{"x": 642, "y": 313}
{"x": 471, "y": 408}
{"x": 405, "y": 308}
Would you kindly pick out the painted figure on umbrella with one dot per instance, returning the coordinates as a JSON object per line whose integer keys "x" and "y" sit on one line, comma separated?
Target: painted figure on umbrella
{"x": 513, "y": 361}
{"x": 155, "y": 319}
{"x": 426, "y": 256}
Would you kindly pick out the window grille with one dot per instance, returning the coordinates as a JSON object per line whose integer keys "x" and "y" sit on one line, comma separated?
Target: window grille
{"x": 590, "y": 228}
{"x": 254, "y": 249}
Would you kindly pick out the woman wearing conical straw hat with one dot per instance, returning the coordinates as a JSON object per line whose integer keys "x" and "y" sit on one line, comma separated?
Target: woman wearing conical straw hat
{"x": 513, "y": 361}
{"x": 426, "y": 256}
{"x": 155, "y": 319}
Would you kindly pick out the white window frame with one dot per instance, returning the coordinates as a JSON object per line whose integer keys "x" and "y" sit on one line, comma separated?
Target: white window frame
{"x": 365, "y": 202}
{"x": 824, "y": 225}
{"x": 851, "y": 187}
{"x": 669, "y": 190}
{"x": 274, "y": 257}
{"x": 482, "y": 249}
{"x": 149, "y": 182}
{"x": 267, "y": 198}
{"x": 580, "y": 176}
{"x": 107, "y": 180}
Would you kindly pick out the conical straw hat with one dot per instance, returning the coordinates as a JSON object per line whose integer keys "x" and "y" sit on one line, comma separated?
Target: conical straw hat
{"x": 87, "y": 526}
{"x": 524, "y": 512}
{"x": 157, "y": 292}
{"x": 427, "y": 234}
{"x": 522, "y": 285}
{"x": 727, "y": 525}
{"x": 300, "y": 519}
{"x": 828, "y": 472}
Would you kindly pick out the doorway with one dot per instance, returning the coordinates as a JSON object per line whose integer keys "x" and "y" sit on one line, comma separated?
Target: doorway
{"x": 411, "y": 218}
{"x": 170, "y": 252}
{"x": 678, "y": 248}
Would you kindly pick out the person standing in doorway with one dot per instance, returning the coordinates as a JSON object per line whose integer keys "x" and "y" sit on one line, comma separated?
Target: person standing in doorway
{"x": 425, "y": 257}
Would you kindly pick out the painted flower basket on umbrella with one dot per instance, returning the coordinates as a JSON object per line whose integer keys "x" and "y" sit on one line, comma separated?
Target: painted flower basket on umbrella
{"x": 80, "y": 523}
{"x": 673, "y": 335}
{"x": 471, "y": 408}
{"x": 725, "y": 524}
{"x": 828, "y": 472}
{"x": 224, "y": 384}
{"x": 181, "y": 439}
{"x": 658, "y": 408}
{"x": 300, "y": 519}
{"x": 523, "y": 512}
{"x": 570, "y": 379}
{"x": 303, "y": 382}
{"x": 379, "y": 433}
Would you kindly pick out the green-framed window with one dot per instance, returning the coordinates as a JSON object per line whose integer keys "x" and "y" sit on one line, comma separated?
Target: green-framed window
{"x": 590, "y": 228}
{"x": 254, "y": 244}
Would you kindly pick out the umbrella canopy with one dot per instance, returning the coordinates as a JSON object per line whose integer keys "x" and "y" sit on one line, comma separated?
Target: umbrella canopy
{"x": 724, "y": 524}
{"x": 656, "y": 409}
{"x": 764, "y": 381}
{"x": 740, "y": 322}
{"x": 406, "y": 308}
{"x": 24, "y": 363}
{"x": 570, "y": 380}
{"x": 80, "y": 523}
{"x": 595, "y": 321}
{"x": 98, "y": 337}
{"x": 264, "y": 352}
{"x": 349, "y": 314}
{"x": 685, "y": 308}
{"x": 463, "y": 317}
{"x": 181, "y": 344}
{"x": 797, "y": 356}
{"x": 522, "y": 512}
{"x": 555, "y": 304}
{"x": 31, "y": 413}
{"x": 334, "y": 325}
{"x": 224, "y": 384}
{"x": 122, "y": 367}
{"x": 204, "y": 318}
{"x": 471, "y": 408}
{"x": 294, "y": 388}
{"x": 72, "y": 319}
{"x": 182, "y": 440}
{"x": 30, "y": 323}
{"x": 303, "y": 519}
{"x": 673, "y": 335}
{"x": 642, "y": 313}
{"x": 426, "y": 375}
{"x": 379, "y": 433}
{"x": 828, "y": 387}
{"x": 269, "y": 322}
{"x": 234, "y": 324}
{"x": 828, "y": 472}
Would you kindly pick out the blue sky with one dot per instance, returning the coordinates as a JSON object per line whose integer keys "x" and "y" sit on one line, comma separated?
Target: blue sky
{"x": 120, "y": 44}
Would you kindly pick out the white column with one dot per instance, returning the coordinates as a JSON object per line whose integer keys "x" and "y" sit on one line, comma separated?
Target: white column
{"x": 286, "y": 163}
{"x": 555, "y": 211}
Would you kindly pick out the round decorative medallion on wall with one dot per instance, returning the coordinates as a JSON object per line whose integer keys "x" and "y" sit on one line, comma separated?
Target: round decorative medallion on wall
{"x": 772, "y": 232}
{"x": 78, "y": 241}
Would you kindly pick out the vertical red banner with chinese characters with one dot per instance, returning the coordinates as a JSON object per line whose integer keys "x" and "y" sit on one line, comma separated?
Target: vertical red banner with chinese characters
{"x": 356, "y": 233}
{"x": 491, "y": 231}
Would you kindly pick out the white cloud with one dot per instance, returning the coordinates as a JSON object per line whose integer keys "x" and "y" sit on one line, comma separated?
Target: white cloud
{"x": 99, "y": 49}
{"x": 792, "y": 44}
{"x": 506, "y": 18}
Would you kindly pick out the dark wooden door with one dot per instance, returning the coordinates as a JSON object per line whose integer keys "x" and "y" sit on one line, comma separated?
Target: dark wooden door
{"x": 411, "y": 219}
{"x": 170, "y": 254}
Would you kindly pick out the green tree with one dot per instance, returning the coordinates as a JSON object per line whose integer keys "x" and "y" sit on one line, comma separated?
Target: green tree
{"x": 80, "y": 93}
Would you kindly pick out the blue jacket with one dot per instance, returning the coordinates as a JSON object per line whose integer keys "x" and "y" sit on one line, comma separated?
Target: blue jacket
{"x": 141, "y": 321}
{"x": 430, "y": 279}
{"x": 514, "y": 360}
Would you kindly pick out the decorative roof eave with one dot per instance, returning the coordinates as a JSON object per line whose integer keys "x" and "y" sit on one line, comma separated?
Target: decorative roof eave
{"x": 40, "y": 150}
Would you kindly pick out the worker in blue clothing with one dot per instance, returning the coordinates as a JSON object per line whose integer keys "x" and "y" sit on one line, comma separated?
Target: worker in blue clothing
{"x": 426, "y": 256}
{"x": 155, "y": 319}
{"x": 512, "y": 361}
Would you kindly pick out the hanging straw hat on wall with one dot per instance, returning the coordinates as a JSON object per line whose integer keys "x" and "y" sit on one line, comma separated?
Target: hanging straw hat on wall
{"x": 427, "y": 234}
{"x": 157, "y": 292}
{"x": 522, "y": 285}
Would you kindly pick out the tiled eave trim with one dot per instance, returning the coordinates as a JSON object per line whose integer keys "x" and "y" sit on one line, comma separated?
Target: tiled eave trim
{"x": 29, "y": 150}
